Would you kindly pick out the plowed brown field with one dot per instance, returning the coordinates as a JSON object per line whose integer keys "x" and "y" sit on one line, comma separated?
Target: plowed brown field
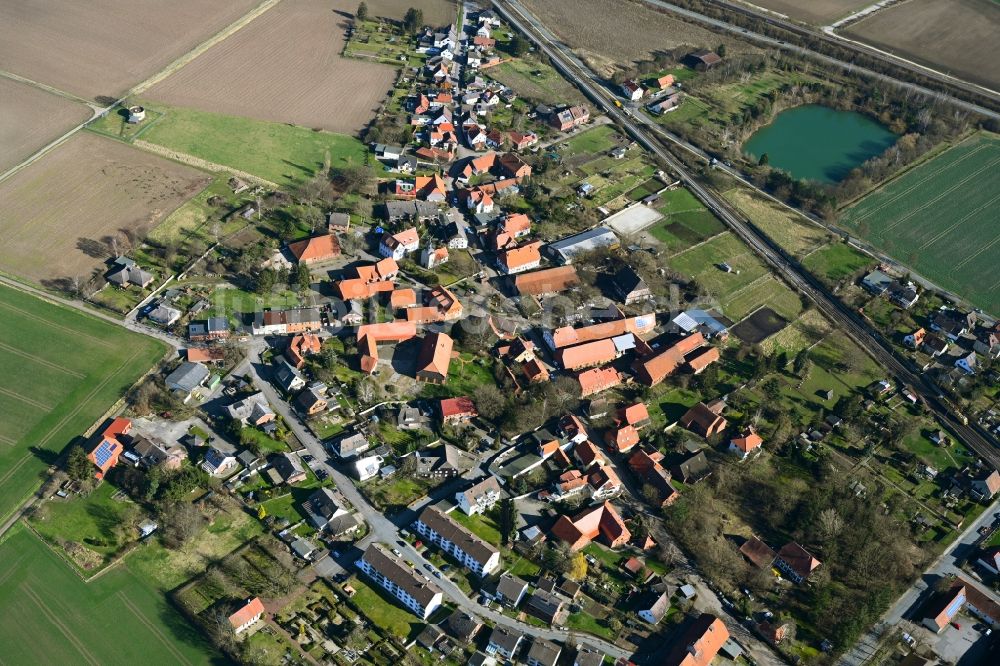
{"x": 30, "y": 118}
{"x": 95, "y": 48}
{"x": 285, "y": 66}
{"x": 608, "y": 33}
{"x": 56, "y": 213}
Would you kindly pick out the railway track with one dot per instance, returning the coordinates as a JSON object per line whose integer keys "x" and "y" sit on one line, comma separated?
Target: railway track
{"x": 970, "y": 91}
{"x": 786, "y": 266}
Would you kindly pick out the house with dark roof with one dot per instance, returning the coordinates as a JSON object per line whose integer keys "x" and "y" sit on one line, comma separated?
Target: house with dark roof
{"x": 187, "y": 378}
{"x": 654, "y": 605}
{"x": 322, "y": 507}
{"x": 462, "y": 626}
{"x": 213, "y": 328}
{"x": 458, "y": 541}
{"x": 289, "y": 467}
{"x": 546, "y": 606}
{"x": 629, "y": 287}
{"x": 389, "y": 572}
{"x": 943, "y": 608}
{"x": 504, "y": 641}
{"x": 757, "y": 553}
{"x": 510, "y": 590}
{"x": 445, "y": 461}
{"x": 125, "y": 272}
{"x": 542, "y": 653}
{"x": 693, "y": 469}
{"x": 350, "y": 445}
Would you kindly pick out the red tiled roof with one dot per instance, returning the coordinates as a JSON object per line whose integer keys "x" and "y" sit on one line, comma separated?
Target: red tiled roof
{"x": 633, "y": 414}
{"x": 700, "y": 644}
{"x": 598, "y": 379}
{"x": 402, "y": 298}
{"x": 435, "y": 355}
{"x": 205, "y": 355}
{"x": 587, "y": 354}
{"x": 798, "y": 559}
{"x": 747, "y": 441}
{"x": 317, "y": 248}
{"x": 601, "y": 521}
{"x": 546, "y": 281}
{"x": 302, "y": 345}
{"x": 704, "y": 359}
{"x": 462, "y": 406}
{"x": 623, "y": 439}
{"x": 521, "y": 256}
{"x": 253, "y": 608}
{"x": 567, "y": 335}
{"x": 653, "y": 370}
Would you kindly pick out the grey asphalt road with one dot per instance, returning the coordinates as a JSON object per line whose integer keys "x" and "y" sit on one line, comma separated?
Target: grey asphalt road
{"x": 384, "y": 530}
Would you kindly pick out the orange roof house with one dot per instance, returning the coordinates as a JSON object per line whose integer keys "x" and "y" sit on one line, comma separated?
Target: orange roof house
{"x": 796, "y": 562}
{"x": 402, "y": 298}
{"x": 665, "y": 81}
{"x": 705, "y": 419}
{"x": 205, "y": 354}
{"x": 457, "y": 409}
{"x": 568, "y": 336}
{"x": 653, "y": 369}
{"x": 703, "y": 359}
{"x": 315, "y": 249}
{"x": 370, "y": 335}
{"x": 385, "y": 269}
{"x": 747, "y": 443}
{"x": 546, "y": 281}
{"x": 517, "y": 259}
{"x": 588, "y": 354}
{"x": 634, "y": 415}
{"x": 622, "y": 439}
{"x": 354, "y": 288}
{"x": 512, "y": 166}
{"x": 431, "y": 188}
{"x": 246, "y": 616}
{"x": 534, "y": 371}
{"x": 110, "y": 446}
{"x": 479, "y": 165}
{"x": 700, "y": 644}
{"x": 603, "y": 522}
{"x": 300, "y": 346}
{"x": 597, "y": 380}
{"x": 434, "y": 358}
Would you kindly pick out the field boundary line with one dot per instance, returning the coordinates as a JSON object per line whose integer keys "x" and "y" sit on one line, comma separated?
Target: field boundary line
{"x": 218, "y": 37}
{"x": 977, "y": 252}
{"x": 49, "y": 89}
{"x": 941, "y": 195}
{"x": 79, "y": 405}
{"x": 152, "y": 628}
{"x": 63, "y": 629}
{"x": 949, "y": 229}
{"x": 25, "y": 458}
{"x": 25, "y": 400}
{"x": 930, "y": 175}
{"x": 41, "y": 361}
{"x": 65, "y": 329}
{"x": 698, "y": 244}
{"x": 7, "y": 440}
{"x": 191, "y": 160}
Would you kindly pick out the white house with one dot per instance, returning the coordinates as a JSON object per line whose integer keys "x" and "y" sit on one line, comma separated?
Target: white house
{"x": 246, "y": 616}
{"x": 388, "y": 572}
{"x": 399, "y": 245}
{"x": 367, "y": 467}
{"x": 474, "y": 553}
{"x": 480, "y": 497}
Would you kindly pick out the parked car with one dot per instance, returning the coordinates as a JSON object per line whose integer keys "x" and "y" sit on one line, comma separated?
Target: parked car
{"x": 956, "y": 625}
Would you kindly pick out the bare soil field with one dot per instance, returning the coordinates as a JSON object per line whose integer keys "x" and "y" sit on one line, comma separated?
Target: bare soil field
{"x": 436, "y": 12}
{"x": 817, "y": 12}
{"x": 957, "y": 36}
{"x": 56, "y": 215}
{"x": 30, "y": 118}
{"x": 604, "y": 36}
{"x": 285, "y": 66}
{"x": 104, "y": 47}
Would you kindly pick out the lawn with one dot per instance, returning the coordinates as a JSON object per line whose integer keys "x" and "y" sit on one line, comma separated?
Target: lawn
{"x": 768, "y": 291}
{"x": 62, "y": 369}
{"x": 281, "y": 153}
{"x": 536, "y": 81}
{"x": 592, "y": 141}
{"x": 51, "y": 616}
{"x": 903, "y": 218}
{"x": 465, "y": 375}
{"x": 589, "y": 624}
{"x": 836, "y": 262}
{"x": 781, "y": 225}
{"x": 686, "y": 221}
{"x": 384, "y": 613}
{"x": 396, "y": 491}
{"x": 94, "y": 521}
{"x": 480, "y": 525}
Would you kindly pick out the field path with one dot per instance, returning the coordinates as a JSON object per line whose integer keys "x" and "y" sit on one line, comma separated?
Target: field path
{"x": 41, "y": 361}
{"x": 63, "y": 629}
{"x": 177, "y": 64}
{"x": 153, "y": 628}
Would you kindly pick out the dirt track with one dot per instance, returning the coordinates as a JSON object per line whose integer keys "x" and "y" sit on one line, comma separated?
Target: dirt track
{"x": 103, "y": 47}
{"x": 56, "y": 213}
{"x": 285, "y": 66}
{"x": 30, "y": 117}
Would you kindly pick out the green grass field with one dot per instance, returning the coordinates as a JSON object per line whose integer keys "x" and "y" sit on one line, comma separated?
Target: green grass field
{"x": 940, "y": 219}
{"x": 52, "y": 616}
{"x": 836, "y": 261}
{"x": 596, "y": 140}
{"x": 686, "y": 221}
{"x": 536, "y": 81}
{"x": 283, "y": 154}
{"x": 61, "y": 370}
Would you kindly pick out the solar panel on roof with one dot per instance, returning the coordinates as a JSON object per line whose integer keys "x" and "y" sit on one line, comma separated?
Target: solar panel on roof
{"x": 103, "y": 453}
